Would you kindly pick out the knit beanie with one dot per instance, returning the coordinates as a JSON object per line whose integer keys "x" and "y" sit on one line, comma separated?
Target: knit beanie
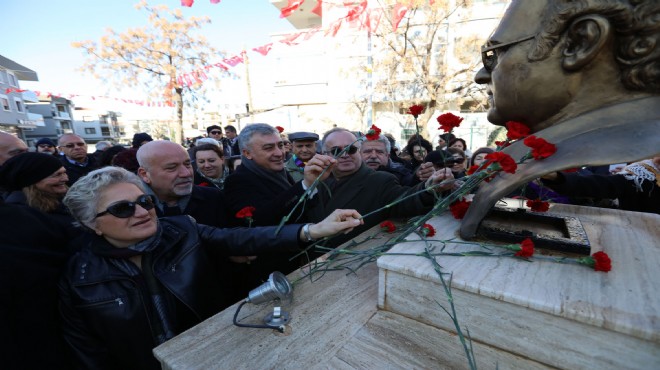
{"x": 27, "y": 169}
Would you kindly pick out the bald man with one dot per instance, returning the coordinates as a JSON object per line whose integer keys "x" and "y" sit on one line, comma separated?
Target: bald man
{"x": 75, "y": 160}
{"x": 10, "y": 146}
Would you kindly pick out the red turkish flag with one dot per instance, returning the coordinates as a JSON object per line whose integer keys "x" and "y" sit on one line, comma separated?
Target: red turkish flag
{"x": 290, "y": 40}
{"x": 233, "y": 61}
{"x": 334, "y": 28}
{"x": 215, "y": 1}
{"x": 372, "y": 20}
{"x": 355, "y": 13}
{"x": 318, "y": 9}
{"x": 398, "y": 13}
{"x": 187, "y": 3}
{"x": 263, "y": 50}
{"x": 220, "y": 65}
{"x": 291, "y": 7}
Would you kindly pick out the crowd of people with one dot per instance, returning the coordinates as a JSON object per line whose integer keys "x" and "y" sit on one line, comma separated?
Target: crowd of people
{"x": 109, "y": 254}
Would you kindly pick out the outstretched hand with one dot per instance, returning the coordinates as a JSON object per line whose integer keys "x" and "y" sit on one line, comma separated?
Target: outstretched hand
{"x": 315, "y": 167}
{"x": 339, "y": 221}
{"x": 444, "y": 177}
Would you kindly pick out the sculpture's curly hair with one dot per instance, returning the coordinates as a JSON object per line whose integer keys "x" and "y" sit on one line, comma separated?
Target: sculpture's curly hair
{"x": 636, "y": 25}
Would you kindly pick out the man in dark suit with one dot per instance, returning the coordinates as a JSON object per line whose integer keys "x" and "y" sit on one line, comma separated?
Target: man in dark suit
{"x": 75, "y": 160}
{"x": 353, "y": 184}
{"x": 166, "y": 170}
{"x": 262, "y": 182}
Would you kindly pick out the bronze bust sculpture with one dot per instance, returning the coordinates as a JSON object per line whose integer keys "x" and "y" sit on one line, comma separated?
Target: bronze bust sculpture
{"x": 582, "y": 74}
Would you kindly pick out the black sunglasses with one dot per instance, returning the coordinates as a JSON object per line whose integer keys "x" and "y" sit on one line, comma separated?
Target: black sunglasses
{"x": 126, "y": 209}
{"x": 453, "y": 161}
{"x": 489, "y": 57}
{"x": 335, "y": 150}
{"x": 216, "y": 132}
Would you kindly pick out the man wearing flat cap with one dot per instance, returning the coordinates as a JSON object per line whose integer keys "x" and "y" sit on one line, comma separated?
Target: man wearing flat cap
{"x": 304, "y": 148}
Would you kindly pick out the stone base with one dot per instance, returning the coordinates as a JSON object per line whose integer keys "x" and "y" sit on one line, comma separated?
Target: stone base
{"x": 561, "y": 315}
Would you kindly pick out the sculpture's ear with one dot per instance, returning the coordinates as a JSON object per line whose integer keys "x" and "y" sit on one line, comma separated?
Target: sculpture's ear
{"x": 586, "y": 37}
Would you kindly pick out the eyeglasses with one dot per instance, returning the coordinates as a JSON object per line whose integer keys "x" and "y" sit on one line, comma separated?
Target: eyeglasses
{"x": 71, "y": 145}
{"x": 335, "y": 150}
{"x": 216, "y": 132}
{"x": 43, "y": 146}
{"x": 126, "y": 209}
{"x": 453, "y": 161}
{"x": 489, "y": 57}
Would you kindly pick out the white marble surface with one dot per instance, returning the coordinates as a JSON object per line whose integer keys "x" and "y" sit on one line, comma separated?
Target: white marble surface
{"x": 543, "y": 308}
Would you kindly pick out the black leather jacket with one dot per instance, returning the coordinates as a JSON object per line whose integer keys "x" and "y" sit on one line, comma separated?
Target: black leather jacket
{"x": 106, "y": 306}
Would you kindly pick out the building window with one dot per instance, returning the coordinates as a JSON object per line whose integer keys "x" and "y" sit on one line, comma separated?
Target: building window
{"x": 90, "y": 131}
{"x": 88, "y": 119}
{"x": 12, "y": 80}
{"x": 3, "y": 77}
{"x": 19, "y": 105}
{"x": 5, "y": 103}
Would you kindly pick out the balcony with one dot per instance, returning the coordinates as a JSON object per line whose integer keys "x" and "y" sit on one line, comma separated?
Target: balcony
{"x": 61, "y": 116}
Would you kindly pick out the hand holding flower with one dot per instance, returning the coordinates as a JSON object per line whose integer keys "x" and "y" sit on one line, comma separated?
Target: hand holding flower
{"x": 315, "y": 167}
{"x": 339, "y": 221}
{"x": 425, "y": 171}
{"x": 444, "y": 177}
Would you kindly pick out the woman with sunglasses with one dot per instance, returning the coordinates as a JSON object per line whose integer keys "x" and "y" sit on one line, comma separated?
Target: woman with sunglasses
{"x": 141, "y": 280}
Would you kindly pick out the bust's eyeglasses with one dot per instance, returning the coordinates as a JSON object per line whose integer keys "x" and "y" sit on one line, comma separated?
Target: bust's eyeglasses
{"x": 71, "y": 145}
{"x": 335, "y": 150}
{"x": 216, "y": 132}
{"x": 126, "y": 209}
{"x": 489, "y": 57}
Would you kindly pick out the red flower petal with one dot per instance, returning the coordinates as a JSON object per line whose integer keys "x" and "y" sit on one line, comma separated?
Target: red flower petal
{"x": 537, "y": 205}
{"x": 526, "y": 248}
{"x": 245, "y": 212}
{"x": 459, "y": 208}
{"x": 280, "y": 129}
{"x": 504, "y": 160}
{"x": 373, "y": 133}
{"x": 427, "y": 230}
{"x": 449, "y": 121}
{"x": 516, "y": 130}
{"x": 416, "y": 110}
{"x": 602, "y": 262}
{"x": 540, "y": 147}
{"x": 387, "y": 226}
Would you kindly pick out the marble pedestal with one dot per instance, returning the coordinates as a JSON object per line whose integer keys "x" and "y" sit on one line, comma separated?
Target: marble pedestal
{"x": 561, "y": 315}
{"x": 521, "y": 315}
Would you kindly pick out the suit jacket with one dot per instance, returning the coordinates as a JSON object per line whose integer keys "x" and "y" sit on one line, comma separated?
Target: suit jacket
{"x": 74, "y": 172}
{"x": 365, "y": 191}
{"x": 207, "y": 206}
{"x": 244, "y": 188}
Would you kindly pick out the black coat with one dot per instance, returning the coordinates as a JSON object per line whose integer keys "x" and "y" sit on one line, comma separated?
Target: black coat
{"x": 244, "y": 188}
{"x": 207, "y": 205}
{"x": 33, "y": 254}
{"x": 74, "y": 172}
{"x": 107, "y": 311}
{"x": 365, "y": 191}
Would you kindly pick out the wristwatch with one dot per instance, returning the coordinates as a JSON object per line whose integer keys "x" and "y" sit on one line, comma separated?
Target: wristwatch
{"x": 308, "y": 236}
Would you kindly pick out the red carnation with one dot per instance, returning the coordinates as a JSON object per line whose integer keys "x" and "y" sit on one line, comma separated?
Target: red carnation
{"x": 502, "y": 144}
{"x": 416, "y": 110}
{"x": 602, "y": 262}
{"x": 204, "y": 183}
{"x": 537, "y": 205}
{"x": 387, "y": 226}
{"x": 599, "y": 261}
{"x": 449, "y": 121}
{"x": 571, "y": 170}
{"x": 459, "y": 208}
{"x": 540, "y": 148}
{"x": 427, "y": 230}
{"x": 373, "y": 133}
{"x": 280, "y": 129}
{"x": 504, "y": 160}
{"x": 246, "y": 212}
{"x": 472, "y": 169}
{"x": 516, "y": 130}
{"x": 526, "y": 249}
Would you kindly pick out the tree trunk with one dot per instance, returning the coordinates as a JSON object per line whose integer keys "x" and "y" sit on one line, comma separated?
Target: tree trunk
{"x": 178, "y": 132}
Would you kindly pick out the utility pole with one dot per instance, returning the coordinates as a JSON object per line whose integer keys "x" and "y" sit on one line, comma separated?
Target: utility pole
{"x": 246, "y": 61}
